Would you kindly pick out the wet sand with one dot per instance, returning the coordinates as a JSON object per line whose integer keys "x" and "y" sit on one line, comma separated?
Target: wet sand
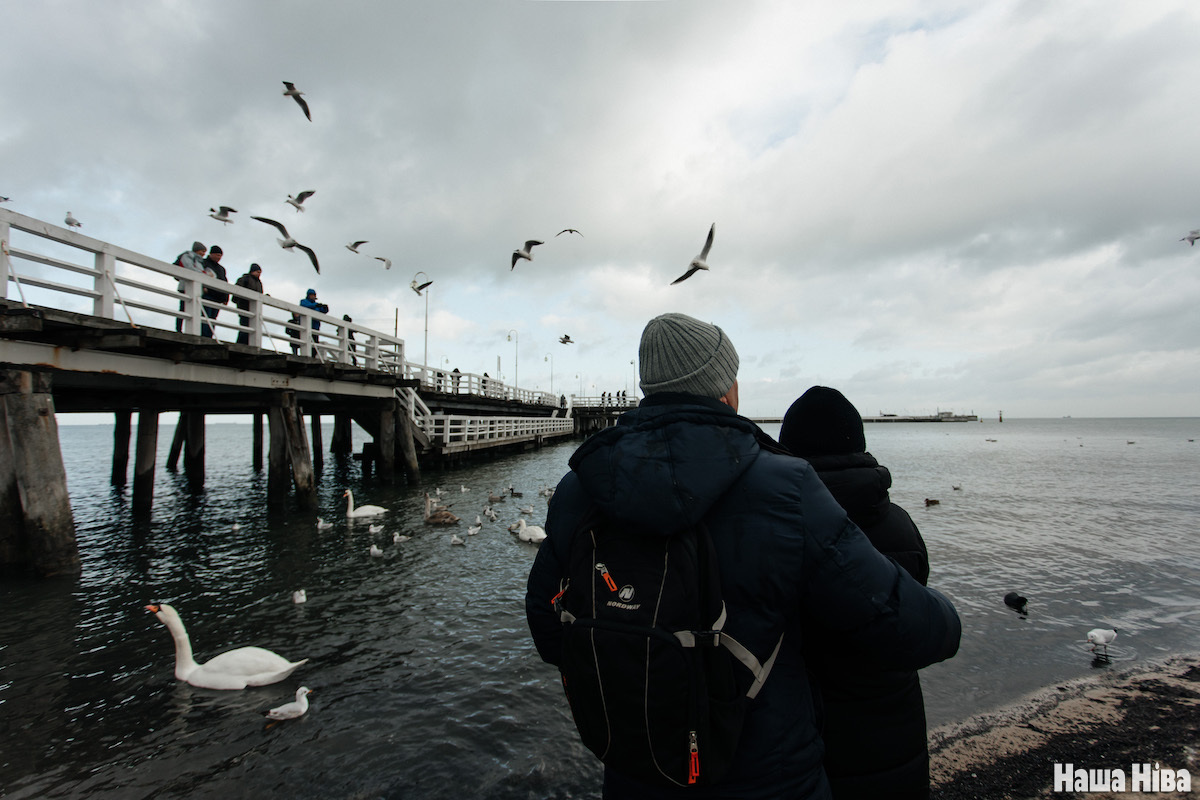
{"x": 1145, "y": 714}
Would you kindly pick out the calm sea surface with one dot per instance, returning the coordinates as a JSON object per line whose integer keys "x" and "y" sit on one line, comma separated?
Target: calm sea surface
{"x": 425, "y": 683}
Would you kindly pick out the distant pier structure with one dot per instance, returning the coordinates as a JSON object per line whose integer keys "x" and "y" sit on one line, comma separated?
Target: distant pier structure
{"x": 87, "y": 326}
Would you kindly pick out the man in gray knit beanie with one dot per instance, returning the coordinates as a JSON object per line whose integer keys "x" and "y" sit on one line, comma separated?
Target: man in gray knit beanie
{"x": 679, "y": 353}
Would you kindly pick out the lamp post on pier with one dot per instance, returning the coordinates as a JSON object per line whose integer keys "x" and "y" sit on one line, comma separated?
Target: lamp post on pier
{"x": 550, "y": 357}
{"x": 419, "y": 289}
{"x": 512, "y": 337}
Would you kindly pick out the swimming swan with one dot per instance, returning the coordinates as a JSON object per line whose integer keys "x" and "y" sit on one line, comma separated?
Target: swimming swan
{"x": 361, "y": 511}
{"x": 234, "y": 669}
{"x": 527, "y": 533}
{"x": 438, "y": 517}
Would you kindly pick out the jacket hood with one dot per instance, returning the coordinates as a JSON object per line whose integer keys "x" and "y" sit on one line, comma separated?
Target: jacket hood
{"x": 666, "y": 462}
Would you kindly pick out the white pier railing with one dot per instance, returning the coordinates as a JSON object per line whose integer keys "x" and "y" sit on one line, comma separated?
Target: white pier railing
{"x": 62, "y": 269}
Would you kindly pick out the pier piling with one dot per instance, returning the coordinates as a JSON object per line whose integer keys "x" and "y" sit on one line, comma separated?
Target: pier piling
{"x": 35, "y": 510}
{"x": 121, "y": 432}
{"x": 143, "y": 460}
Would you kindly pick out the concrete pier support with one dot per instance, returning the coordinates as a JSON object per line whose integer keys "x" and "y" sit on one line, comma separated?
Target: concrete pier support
{"x": 317, "y": 453}
{"x": 387, "y": 440}
{"x": 121, "y": 431}
{"x": 37, "y": 528}
{"x": 177, "y": 442}
{"x": 342, "y": 443}
{"x": 193, "y": 451}
{"x": 143, "y": 460}
{"x": 257, "y": 455}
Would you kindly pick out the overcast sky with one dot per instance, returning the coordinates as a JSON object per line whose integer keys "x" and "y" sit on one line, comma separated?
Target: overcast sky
{"x": 932, "y": 205}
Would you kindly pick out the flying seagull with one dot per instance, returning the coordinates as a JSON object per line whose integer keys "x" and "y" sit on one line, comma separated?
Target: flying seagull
{"x": 387, "y": 262}
{"x": 419, "y": 287}
{"x": 567, "y": 230}
{"x": 299, "y": 199}
{"x": 353, "y": 246}
{"x": 4, "y": 199}
{"x": 222, "y": 213}
{"x": 287, "y": 242}
{"x": 566, "y": 339}
{"x": 1191, "y": 237}
{"x": 698, "y": 262}
{"x": 525, "y": 252}
{"x": 291, "y": 91}
{"x": 72, "y": 222}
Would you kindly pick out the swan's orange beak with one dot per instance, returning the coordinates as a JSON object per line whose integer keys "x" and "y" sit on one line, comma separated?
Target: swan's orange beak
{"x": 152, "y": 608}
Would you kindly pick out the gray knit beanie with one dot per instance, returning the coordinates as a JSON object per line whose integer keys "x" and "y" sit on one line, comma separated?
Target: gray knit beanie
{"x": 679, "y": 353}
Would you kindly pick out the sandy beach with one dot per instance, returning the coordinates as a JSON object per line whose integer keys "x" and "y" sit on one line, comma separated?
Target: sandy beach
{"x": 1149, "y": 714}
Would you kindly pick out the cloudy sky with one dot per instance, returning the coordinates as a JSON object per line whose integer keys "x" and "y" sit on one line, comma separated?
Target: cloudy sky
{"x": 934, "y": 205}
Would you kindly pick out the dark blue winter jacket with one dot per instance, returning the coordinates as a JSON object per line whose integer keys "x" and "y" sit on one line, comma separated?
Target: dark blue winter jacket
{"x": 786, "y": 549}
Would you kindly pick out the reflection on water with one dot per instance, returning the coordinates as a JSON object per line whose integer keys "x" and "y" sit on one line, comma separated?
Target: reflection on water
{"x": 425, "y": 682}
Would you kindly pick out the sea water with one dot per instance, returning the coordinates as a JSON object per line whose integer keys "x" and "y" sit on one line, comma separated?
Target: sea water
{"x": 425, "y": 683}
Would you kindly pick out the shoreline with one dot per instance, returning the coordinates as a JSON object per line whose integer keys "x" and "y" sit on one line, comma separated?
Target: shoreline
{"x": 1149, "y": 713}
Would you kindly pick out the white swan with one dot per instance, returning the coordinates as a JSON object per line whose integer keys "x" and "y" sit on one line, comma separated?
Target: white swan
{"x": 294, "y": 709}
{"x": 234, "y": 669}
{"x": 527, "y": 533}
{"x": 361, "y": 511}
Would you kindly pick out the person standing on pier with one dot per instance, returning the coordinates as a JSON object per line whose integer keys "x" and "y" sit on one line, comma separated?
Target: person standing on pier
{"x": 875, "y": 738}
{"x": 789, "y": 557}
{"x": 212, "y": 266}
{"x": 252, "y": 280}
{"x": 310, "y": 301}
{"x": 194, "y": 260}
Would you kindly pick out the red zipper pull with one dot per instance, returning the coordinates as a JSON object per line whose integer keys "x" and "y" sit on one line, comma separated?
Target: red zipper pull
{"x": 694, "y": 761}
{"x": 608, "y": 580}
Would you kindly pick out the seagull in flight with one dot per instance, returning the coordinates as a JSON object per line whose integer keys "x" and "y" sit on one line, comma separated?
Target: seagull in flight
{"x": 298, "y": 200}
{"x": 221, "y": 214}
{"x": 291, "y": 91}
{"x": 1191, "y": 237}
{"x": 4, "y": 199}
{"x": 419, "y": 287}
{"x": 698, "y": 262}
{"x": 353, "y": 246}
{"x": 387, "y": 262}
{"x": 287, "y": 242}
{"x": 567, "y": 230}
{"x": 72, "y": 222}
{"x": 525, "y": 252}
{"x": 566, "y": 339}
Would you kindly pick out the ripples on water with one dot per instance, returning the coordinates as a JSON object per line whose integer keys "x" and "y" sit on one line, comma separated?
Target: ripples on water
{"x": 425, "y": 681}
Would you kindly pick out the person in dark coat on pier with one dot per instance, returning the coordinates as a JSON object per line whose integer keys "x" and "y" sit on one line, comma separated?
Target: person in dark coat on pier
{"x": 788, "y": 554}
{"x": 252, "y": 280}
{"x": 212, "y": 266}
{"x": 875, "y": 738}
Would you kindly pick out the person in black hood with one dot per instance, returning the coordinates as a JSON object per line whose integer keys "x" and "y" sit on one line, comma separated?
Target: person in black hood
{"x": 788, "y": 554}
{"x": 213, "y": 264}
{"x": 874, "y": 732}
{"x": 252, "y": 280}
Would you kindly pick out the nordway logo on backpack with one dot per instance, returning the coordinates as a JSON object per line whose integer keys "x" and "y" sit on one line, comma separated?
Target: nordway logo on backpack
{"x": 625, "y": 593}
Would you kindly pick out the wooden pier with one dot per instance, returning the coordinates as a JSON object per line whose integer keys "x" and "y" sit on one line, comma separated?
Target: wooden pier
{"x": 97, "y": 332}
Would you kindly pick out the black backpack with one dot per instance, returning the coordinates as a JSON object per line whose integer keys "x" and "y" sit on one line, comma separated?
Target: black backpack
{"x": 657, "y": 689}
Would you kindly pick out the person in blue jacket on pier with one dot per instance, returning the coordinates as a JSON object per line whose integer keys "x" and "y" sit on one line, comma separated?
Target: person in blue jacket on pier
{"x": 789, "y": 556}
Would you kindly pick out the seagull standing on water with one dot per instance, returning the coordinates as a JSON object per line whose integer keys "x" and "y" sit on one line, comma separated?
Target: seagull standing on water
{"x": 291, "y": 91}
{"x": 221, "y": 214}
{"x": 297, "y": 202}
{"x": 1102, "y": 637}
{"x": 72, "y": 222}
{"x": 699, "y": 261}
{"x": 525, "y": 252}
{"x": 287, "y": 242}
